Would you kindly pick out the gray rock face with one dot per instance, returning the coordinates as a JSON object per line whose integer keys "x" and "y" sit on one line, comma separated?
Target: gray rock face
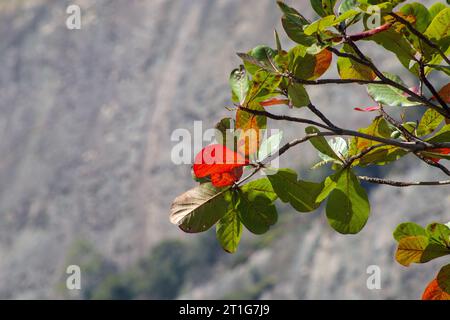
{"x": 87, "y": 118}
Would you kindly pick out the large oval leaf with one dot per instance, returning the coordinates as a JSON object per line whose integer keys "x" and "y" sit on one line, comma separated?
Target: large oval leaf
{"x": 348, "y": 206}
{"x": 229, "y": 230}
{"x": 199, "y": 209}
{"x": 255, "y": 206}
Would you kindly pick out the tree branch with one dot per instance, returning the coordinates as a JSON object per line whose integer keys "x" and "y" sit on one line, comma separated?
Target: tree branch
{"x": 430, "y": 87}
{"x": 412, "y": 146}
{"x": 403, "y": 184}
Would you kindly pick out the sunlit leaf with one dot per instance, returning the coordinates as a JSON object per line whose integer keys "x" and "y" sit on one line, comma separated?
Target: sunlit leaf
{"x": 270, "y": 145}
{"x": 348, "y": 206}
{"x": 321, "y": 144}
{"x": 349, "y": 69}
{"x": 308, "y": 66}
{"x": 240, "y": 84}
{"x": 408, "y": 229}
{"x": 429, "y": 122}
{"x": 229, "y": 229}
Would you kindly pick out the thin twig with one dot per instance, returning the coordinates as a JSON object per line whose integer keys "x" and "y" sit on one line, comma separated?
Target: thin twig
{"x": 403, "y": 184}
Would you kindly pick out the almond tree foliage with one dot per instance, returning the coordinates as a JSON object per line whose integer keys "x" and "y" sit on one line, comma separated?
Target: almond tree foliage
{"x": 419, "y": 37}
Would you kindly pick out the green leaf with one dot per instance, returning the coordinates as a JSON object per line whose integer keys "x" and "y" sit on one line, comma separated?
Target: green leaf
{"x": 224, "y": 133}
{"x": 199, "y": 209}
{"x": 229, "y": 228}
{"x": 320, "y": 25}
{"x": 378, "y": 128}
{"x": 439, "y": 28}
{"x": 429, "y": 122}
{"x": 256, "y": 209}
{"x": 308, "y": 66}
{"x": 381, "y": 156}
{"x": 277, "y": 42}
{"x": 439, "y": 234}
{"x": 298, "y": 95}
{"x": 240, "y": 84}
{"x": 389, "y": 95}
{"x": 329, "y": 185}
{"x": 269, "y": 146}
{"x": 347, "y": 5}
{"x": 435, "y": 9}
{"x": 348, "y": 206}
{"x": 408, "y": 229}
{"x": 396, "y": 43}
{"x": 443, "y": 279}
{"x": 302, "y": 195}
{"x": 420, "y": 13}
{"x": 259, "y": 58}
{"x": 293, "y": 23}
{"x": 321, "y": 144}
{"x": 349, "y": 69}
{"x": 442, "y": 135}
{"x": 438, "y": 32}
{"x": 323, "y": 7}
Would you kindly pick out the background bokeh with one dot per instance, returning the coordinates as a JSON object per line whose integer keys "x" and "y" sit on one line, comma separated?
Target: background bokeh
{"x": 86, "y": 177}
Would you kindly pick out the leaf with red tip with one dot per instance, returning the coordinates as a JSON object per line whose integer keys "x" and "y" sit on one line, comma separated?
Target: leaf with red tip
{"x": 368, "y": 109}
{"x": 444, "y": 93}
{"x": 438, "y": 289}
{"x": 438, "y": 151}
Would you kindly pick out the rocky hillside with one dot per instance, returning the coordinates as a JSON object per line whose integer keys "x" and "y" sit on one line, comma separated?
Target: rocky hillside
{"x": 85, "y": 171}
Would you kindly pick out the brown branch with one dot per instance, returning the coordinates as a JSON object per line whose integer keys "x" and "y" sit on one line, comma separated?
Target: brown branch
{"x": 412, "y": 146}
{"x": 403, "y": 184}
{"x": 328, "y": 81}
{"x": 408, "y": 135}
{"x": 352, "y": 159}
{"x": 430, "y": 87}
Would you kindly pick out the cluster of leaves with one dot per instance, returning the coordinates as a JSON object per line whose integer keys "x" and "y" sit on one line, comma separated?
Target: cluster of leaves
{"x": 418, "y": 36}
{"x": 419, "y": 245}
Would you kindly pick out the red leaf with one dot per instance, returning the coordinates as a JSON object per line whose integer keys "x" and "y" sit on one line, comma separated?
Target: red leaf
{"x": 440, "y": 151}
{"x": 274, "y": 102}
{"x": 222, "y": 164}
{"x": 226, "y": 178}
{"x": 434, "y": 292}
{"x": 368, "y": 109}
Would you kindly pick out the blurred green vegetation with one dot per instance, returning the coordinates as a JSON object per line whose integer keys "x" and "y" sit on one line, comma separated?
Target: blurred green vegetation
{"x": 159, "y": 275}
{"x": 170, "y": 268}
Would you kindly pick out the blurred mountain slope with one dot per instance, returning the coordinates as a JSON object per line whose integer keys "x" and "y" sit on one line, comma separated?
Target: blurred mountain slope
{"x": 87, "y": 117}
